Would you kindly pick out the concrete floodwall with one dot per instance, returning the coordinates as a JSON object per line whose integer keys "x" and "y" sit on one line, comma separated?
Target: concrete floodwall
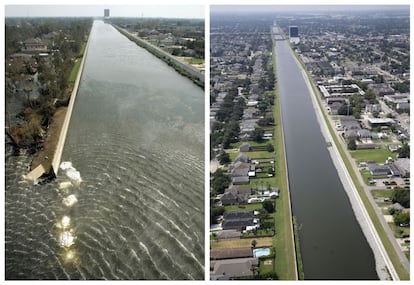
{"x": 63, "y": 132}
{"x": 39, "y": 171}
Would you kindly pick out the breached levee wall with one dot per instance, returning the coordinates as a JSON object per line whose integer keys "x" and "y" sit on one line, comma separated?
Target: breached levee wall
{"x": 63, "y": 132}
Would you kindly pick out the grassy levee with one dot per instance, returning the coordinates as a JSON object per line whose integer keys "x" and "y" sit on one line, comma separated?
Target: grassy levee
{"x": 286, "y": 265}
{"x": 402, "y": 273}
{"x": 75, "y": 69}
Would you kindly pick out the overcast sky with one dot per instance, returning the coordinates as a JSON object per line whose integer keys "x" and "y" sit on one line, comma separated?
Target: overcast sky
{"x": 162, "y": 11}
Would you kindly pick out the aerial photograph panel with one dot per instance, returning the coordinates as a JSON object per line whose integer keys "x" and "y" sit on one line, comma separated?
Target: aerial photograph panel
{"x": 104, "y": 144}
{"x": 309, "y": 142}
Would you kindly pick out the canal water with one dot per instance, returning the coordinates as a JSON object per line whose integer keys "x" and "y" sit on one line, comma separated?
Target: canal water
{"x": 129, "y": 199}
{"x": 331, "y": 241}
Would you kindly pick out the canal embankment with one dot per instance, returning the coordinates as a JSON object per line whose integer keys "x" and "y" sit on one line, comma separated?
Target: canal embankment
{"x": 290, "y": 238}
{"x": 184, "y": 69}
{"x": 384, "y": 267}
{"x": 330, "y": 236}
{"x": 47, "y": 160}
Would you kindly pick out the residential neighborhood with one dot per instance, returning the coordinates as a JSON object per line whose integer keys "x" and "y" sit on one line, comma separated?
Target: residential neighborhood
{"x": 182, "y": 38}
{"x": 244, "y": 226}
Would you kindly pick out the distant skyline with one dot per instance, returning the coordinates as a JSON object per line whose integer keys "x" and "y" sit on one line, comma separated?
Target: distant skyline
{"x": 301, "y": 8}
{"x": 146, "y": 11}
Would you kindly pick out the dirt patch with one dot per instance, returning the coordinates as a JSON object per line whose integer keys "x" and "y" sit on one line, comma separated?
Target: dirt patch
{"x": 45, "y": 155}
{"x": 246, "y": 242}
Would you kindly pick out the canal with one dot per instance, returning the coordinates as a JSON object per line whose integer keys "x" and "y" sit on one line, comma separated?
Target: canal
{"x": 129, "y": 199}
{"x": 331, "y": 240}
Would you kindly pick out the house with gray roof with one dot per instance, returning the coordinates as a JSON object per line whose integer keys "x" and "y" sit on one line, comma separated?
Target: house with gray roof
{"x": 378, "y": 169}
{"x": 242, "y": 158}
{"x": 403, "y": 165}
{"x": 237, "y": 220}
{"x": 240, "y": 169}
{"x": 250, "y": 113}
{"x": 237, "y": 267}
{"x": 229, "y": 253}
{"x": 240, "y": 180}
{"x": 228, "y": 234}
{"x": 235, "y": 196}
{"x": 349, "y": 123}
{"x": 397, "y": 207}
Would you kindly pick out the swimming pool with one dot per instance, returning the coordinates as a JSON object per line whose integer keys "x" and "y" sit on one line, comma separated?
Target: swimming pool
{"x": 261, "y": 251}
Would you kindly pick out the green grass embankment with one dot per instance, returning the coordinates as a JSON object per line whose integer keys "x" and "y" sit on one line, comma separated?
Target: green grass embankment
{"x": 286, "y": 266}
{"x": 75, "y": 69}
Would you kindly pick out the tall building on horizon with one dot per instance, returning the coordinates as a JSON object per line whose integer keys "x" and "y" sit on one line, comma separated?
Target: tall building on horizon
{"x": 294, "y": 34}
{"x": 106, "y": 13}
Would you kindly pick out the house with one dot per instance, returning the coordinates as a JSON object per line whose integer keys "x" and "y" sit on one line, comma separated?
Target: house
{"x": 380, "y": 122}
{"x": 366, "y": 146}
{"x": 334, "y": 107}
{"x": 34, "y": 45}
{"x": 397, "y": 207}
{"x": 245, "y": 147}
{"x": 403, "y": 165}
{"x": 228, "y": 234}
{"x": 351, "y": 135}
{"x": 364, "y": 135}
{"x": 230, "y": 198}
{"x": 378, "y": 169}
{"x": 237, "y": 220}
{"x": 248, "y": 126}
{"x": 394, "y": 170}
{"x": 393, "y": 148}
{"x": 250, "y": 113}
{"x": 240, "y": 180}
{"x": 240, "y": 169}
{"x": 237, "y": 267}
{"x": 237, "y": 224}
{"x": 242, "y": 158}
{"x": 349, "y": 123}
{"x": 232, "y": 215}
{"x": 230, "y": 253}
{"x": 235, "y": 196}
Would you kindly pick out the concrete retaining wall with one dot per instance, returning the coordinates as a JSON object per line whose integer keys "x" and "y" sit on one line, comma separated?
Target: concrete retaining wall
{"x": 63, "y": 132}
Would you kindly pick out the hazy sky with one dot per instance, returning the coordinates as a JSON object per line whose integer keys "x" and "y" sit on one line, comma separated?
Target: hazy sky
{"x": 162, "y": 11}
{"x": 299, "y": 8}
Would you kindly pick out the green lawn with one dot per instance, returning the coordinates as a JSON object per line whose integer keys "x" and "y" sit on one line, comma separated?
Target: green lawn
{"x": 381, "y": 193}
{"x": 253, "y": 154}
{"x": 400, "y": 232}
{"x": 377, "y": 155}
{"x": 248, "y": 207}
{"x": 195, "y": 60}
{"x": 252, "y": 143}
{"x": 259, "y": 233}
{"x": 76, "y": 66}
